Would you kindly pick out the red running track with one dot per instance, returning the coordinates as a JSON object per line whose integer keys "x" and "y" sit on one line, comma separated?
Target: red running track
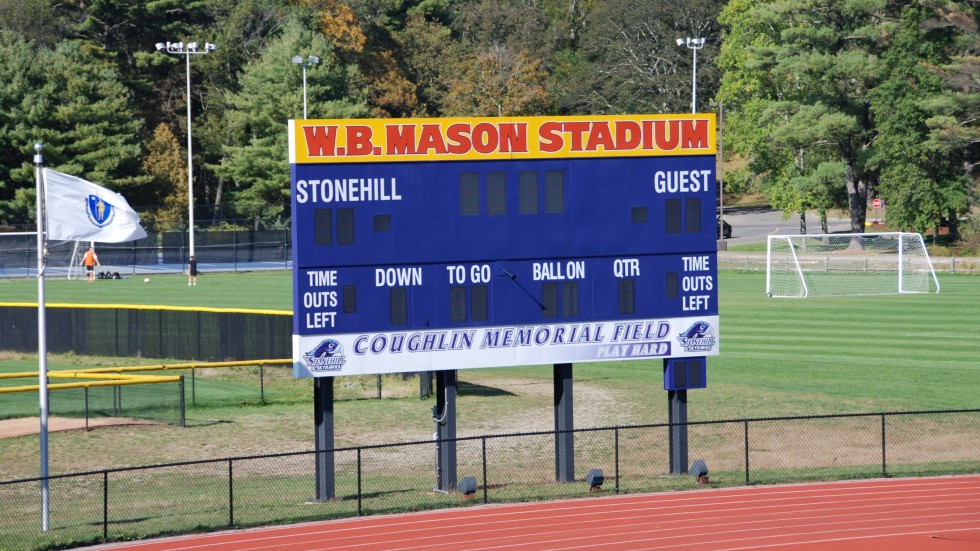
{"x": 921, "y": 514}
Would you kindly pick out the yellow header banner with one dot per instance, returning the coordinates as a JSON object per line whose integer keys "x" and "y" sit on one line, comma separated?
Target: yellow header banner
{"x": 478, "y": 139}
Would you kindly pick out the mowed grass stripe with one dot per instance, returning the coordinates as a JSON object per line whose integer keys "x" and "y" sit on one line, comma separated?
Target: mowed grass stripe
{"x": 924, "y": 345}
{"x": 838, "y": 354}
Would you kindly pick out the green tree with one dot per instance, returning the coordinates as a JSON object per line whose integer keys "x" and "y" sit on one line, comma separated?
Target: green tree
{"x": 241, "y": 29}
{"x": 21, "y": 112}
{"x": 427, "y": 45}
{"x": 271, "y": 93}
{"x": 73, "y": 103}
{"x": 124, "y": 32}
{"x": 823, "y": 88}
{"x": 922, "y": 177}
{"x": 805, "y": 71}
{"x": 954, "y": 121}
{"x": 35, "y": 20}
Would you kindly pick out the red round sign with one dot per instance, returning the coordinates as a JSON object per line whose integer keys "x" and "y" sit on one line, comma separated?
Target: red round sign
{"x": 876, "y": 203}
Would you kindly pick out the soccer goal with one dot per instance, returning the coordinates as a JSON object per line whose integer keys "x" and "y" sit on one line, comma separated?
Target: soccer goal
{"x": 18, "y": 256}
{"x": 800, "y": 266}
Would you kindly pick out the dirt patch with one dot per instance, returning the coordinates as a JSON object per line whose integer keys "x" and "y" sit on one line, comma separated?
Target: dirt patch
{"x": 595, "y": 406}
{"x": 24, "y": 426}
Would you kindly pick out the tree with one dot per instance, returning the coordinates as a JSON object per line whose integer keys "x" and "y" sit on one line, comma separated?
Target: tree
{"x": 627, "y": 60}
{"x": 500, "y": 64}
{"x": 241, "y": 29}
{"x": 271, "y": 93}
{"x": 368, "y": 33}
{"x": 123, "y": 33}
{"x": 73, "y": 103}
{"x": 828, "y": 87}
{"x": 568, "y": 19}
{"x": 35, "y": 20}
{"x": 498, "y": 82}
{"x": 922, "y": 175}
{"x": 819, "y": 61}
{"x": 427, "y": 45}
{"x": 165, "y": 165}
{"x": 21, "y": 112}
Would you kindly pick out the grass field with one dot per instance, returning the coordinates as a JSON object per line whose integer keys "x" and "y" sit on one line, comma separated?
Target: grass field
{"x": 779, "y": 357}
{"x": 266, "y": 290}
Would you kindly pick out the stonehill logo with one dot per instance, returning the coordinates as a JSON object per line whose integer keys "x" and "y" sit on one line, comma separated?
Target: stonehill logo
{"x": 698, "y": 338}
{"x": 99, "y": 211}
{"x": 327, "y": 356}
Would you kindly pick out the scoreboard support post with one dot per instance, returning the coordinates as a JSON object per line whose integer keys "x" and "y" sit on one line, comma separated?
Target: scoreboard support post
{"x": 681, "y": 374}
{"x": 564, "y": 424}
{"x": 677, "y": 417}
{"x": 445, "y": 418}
{"x": 324, "y": 437}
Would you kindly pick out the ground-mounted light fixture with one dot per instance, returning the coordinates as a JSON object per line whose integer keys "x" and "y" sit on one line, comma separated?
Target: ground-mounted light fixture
{"x": 595, "y": 479}
{"x": 467, "y": 487}
{"x": 700, "y": 471}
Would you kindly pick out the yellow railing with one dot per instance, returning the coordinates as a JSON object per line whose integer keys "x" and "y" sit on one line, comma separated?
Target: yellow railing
{"x": 109, "y": 376}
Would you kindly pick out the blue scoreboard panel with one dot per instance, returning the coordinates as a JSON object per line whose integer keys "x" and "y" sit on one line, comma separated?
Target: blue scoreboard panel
{"x": 430, "y": 244}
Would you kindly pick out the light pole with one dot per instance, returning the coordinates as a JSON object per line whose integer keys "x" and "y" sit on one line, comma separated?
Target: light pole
{"x": 694, "y": 44}
{"x": 721, "y": 182}
{"x": 298, "y": 60}
{"x": 180, "y": 48}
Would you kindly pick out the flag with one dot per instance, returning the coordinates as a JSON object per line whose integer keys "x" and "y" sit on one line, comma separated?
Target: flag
{"x": 78, "y": 210}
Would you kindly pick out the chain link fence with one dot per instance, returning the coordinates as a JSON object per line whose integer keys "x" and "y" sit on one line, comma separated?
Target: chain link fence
{"x": 756, "y": 262}
{"x": 200, "y": 387}
{"x": 163, "y": 252}
{"x": 235, "y": 492}
{"x": 261, "y": 383}
{"x": 150, "y": 332}
{"x": 161, "y": 402}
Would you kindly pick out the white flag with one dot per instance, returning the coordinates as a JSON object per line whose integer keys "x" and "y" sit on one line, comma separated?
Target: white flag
{"x": 78, "y": 210}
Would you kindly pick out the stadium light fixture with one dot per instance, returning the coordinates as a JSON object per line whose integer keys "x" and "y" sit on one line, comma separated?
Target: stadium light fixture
{"x": 304, "y": 63}
{"x": 595, "y": 479}
{"x": 694, "y": 44}
{"x": 180, "y": 48}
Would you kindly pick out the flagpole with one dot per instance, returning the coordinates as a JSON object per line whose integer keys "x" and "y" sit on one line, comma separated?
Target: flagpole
{"x": 42, "y": 342}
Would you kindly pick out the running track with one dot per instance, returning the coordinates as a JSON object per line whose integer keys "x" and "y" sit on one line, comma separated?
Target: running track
{"x": 922, "y": 514}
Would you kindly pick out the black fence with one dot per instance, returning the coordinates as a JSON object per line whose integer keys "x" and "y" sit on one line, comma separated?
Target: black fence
{"x": 201, "y": 386}
{"x": 153, "y": 401}
{"x": 156, "y": 253}
{"x": 234, "y": 492}
{"x": 150, "y": 333}
{"x": 229, "y": 247}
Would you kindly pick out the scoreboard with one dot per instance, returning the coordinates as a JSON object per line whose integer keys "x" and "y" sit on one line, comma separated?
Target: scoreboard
{"x": 432, "y": 244}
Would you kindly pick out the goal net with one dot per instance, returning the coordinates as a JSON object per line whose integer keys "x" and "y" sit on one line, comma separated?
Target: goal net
{"x": 800, "y": 266}
{"x": 18, "y": 256}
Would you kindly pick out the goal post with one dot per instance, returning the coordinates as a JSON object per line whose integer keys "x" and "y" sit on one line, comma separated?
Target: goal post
{"x": 18, "y": 256}
{"x": 849, "y": 264}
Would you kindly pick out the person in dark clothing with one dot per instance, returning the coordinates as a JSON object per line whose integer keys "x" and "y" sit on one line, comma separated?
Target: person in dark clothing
{"x": 192, "y": 271}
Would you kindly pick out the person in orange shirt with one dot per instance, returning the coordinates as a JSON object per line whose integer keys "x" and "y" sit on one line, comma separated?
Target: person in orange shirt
{"x": 91, "y": 260}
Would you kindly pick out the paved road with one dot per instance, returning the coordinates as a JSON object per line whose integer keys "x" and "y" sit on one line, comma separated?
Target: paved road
{"x": 752, "y": 225}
